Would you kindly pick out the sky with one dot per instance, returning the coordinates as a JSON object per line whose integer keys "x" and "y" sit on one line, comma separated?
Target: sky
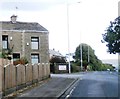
{"x": 88, "y": 20}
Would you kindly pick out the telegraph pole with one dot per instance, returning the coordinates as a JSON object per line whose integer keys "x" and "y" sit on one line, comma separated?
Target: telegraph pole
{"x": 81, "y": 55}
{"x": 88, "y": 54}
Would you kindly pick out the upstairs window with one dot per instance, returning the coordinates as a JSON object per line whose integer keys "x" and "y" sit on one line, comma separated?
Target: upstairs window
{"x": 4, "y": 41}
{"x": 35, "y": 43}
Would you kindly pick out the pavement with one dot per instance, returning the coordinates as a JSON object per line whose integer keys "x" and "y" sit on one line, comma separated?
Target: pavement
{"x": 55, "y": 87}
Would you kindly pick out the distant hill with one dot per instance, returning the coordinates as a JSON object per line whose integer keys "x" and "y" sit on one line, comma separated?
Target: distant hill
{"x": 114, "y": 62}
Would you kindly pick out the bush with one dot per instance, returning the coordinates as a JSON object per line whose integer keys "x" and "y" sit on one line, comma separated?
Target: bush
{"x": 75, "y": 68}
{"x": 21, "y": 61}
{"x": 0, "y": 55}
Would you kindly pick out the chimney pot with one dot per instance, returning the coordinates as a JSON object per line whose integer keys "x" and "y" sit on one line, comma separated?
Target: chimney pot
{"x": 13, "y": 18}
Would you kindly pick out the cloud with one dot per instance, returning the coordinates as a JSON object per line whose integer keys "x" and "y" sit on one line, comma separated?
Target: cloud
{"x": 31, "y": 5}
{"x": 26, "y": 6}
{"x": 89, "y": 19}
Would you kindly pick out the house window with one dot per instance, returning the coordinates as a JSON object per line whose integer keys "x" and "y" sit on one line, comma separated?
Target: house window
{"x": 35, "y": 58}
{"x": 16, "y": 56}
{"x": 4, "y": 41}
{"x": 35, "y": 42}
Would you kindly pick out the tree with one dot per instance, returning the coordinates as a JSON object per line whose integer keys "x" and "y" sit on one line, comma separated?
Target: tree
{"x": 56, "y": 59}
{"x": 112, "y": 36}
{"x": 94, "y": 61}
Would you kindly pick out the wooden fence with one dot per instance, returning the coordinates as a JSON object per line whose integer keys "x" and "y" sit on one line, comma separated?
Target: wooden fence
{"x": 23, "y": 75}
{"x": 4, "y": 62}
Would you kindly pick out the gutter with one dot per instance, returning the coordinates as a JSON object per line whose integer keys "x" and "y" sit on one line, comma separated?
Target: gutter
{"x": 24, "y": 31}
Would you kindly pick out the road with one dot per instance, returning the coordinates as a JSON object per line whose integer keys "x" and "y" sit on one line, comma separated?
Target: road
{"x": 94, "y": 84}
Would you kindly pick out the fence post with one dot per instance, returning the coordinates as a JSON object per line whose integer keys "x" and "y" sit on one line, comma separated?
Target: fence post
{"x": 32, "y": 73}
{"x": 4, "y": 82}
{"x": 1, "y": 78}
{"x": 48, "y": 70}
{"x": 1, "y": 81}
{"x": 16, "y": 78}
{"x": 38, "y": 73}
{"x": 25, "y": 75}
{"x": 43, "y": 71}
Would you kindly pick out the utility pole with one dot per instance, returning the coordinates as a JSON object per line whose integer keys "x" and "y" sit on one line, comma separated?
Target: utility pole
{"x": 88, "y": 54}
{"x": 81, "y": 55}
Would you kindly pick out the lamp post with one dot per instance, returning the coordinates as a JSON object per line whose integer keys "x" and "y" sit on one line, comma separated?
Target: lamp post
{"x": 68, "y": 36}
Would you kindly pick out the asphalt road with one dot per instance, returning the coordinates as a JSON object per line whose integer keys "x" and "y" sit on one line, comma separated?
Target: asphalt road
{"x": 88, "y": 84}
{"x": 96, "y": 84}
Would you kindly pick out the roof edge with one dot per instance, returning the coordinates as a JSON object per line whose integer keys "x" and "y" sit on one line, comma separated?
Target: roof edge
{"x": 2, "y": 22}
{"x": 24, "y": 31}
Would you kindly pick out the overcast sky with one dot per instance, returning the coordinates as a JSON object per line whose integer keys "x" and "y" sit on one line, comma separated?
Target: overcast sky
{"x": 88, "y": 20}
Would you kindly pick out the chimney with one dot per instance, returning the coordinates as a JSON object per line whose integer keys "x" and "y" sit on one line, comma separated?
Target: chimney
{"x": 13, "y": 18}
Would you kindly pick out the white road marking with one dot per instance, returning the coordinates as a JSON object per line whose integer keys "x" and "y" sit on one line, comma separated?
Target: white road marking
{"x": 67, "y": 96}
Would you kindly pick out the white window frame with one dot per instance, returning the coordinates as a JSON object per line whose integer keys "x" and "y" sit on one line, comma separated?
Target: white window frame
{"x": 5, "y": 42}
{"x": 35, "y": 43}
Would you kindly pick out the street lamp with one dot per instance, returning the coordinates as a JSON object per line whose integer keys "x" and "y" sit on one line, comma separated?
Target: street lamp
{"x": 68, "y": 36}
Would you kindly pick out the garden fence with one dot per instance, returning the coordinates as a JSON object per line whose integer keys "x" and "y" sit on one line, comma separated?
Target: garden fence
{"x": 16, "y": 77}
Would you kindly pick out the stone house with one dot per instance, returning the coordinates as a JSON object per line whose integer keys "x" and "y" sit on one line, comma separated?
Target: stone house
{"x": 26, "y": 39}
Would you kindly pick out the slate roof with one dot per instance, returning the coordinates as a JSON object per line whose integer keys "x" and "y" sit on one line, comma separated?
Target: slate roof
{"x": 55, "y": 53}
{"x": 8, "y": 25}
